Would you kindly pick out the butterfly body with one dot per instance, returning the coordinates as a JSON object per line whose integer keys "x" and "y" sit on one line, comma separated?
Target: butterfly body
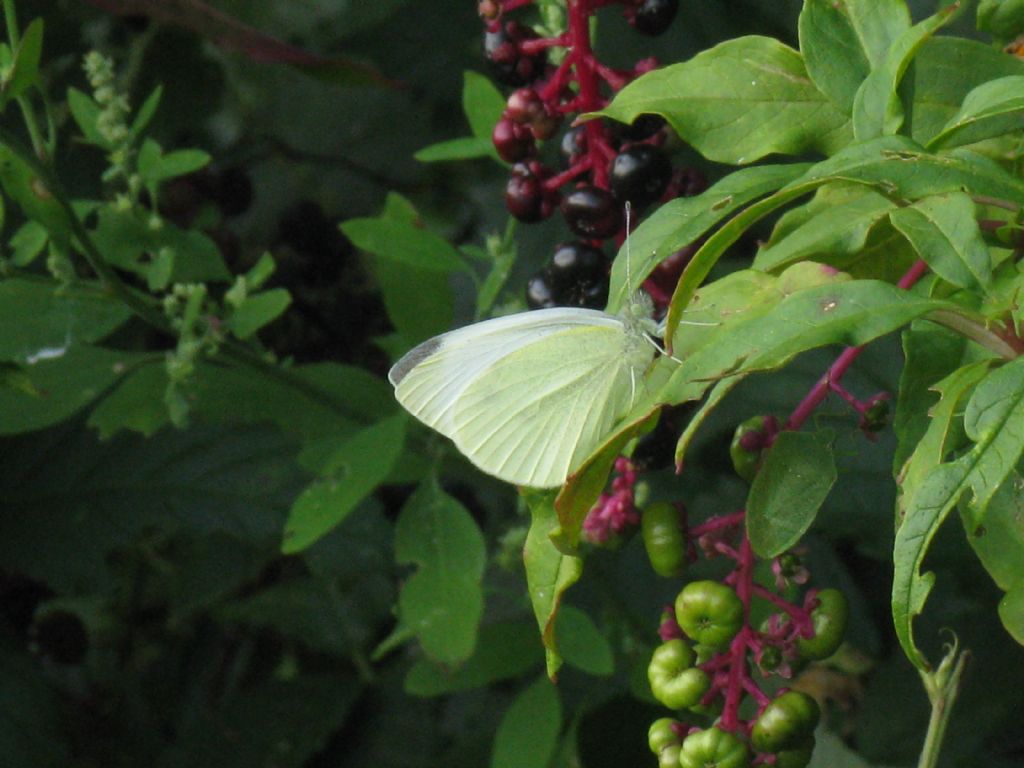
{"x": 528, "y": 397}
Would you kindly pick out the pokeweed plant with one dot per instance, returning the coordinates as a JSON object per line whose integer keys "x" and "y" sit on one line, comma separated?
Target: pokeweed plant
{"x": 910, "y": 223}
{"x": 913, "y": 223}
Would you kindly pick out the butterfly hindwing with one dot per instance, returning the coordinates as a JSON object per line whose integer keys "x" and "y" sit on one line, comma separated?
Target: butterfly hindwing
{"x": 526, "y": 397}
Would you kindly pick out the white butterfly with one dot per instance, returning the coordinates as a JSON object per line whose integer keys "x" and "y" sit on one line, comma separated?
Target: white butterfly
{"x": 528, "y": 397}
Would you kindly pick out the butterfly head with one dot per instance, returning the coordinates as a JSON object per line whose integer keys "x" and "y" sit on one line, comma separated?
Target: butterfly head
{"x": 637, "y": 314}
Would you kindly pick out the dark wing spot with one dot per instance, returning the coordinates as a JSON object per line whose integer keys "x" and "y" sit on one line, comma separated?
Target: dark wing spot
{"x": 411, "y": 359}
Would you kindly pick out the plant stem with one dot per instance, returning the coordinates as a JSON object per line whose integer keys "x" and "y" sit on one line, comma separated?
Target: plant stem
{"x": 943, "y": 686}
{"x": 140, "y": 304}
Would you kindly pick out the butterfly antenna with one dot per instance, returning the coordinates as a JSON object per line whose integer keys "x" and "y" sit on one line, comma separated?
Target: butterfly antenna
{"x": 629, "y": 262}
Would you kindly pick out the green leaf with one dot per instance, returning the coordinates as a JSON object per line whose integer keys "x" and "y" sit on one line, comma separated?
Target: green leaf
{"x": 145, "y": 113}
{"x": 467, "y": 148}
{"x": 741, "y": 100}
{"x": 1011, "y": 612}
{"x": 258, "y": 310}
{"x": 681, "y": 221}
{"x": 420, "y": 302}
{"x": 85, "y": 113}
{"x": 877, "y": 110}
{"x": 848, "y": 313}
{"x": 992, "y": 109}
{"x": 741, "y": 297}
{"x": 70, "y": 500}
{"x": 504, "y": 650}
{"x": 443, "y": 601}
{"x": 323, "y": 400}
{"x": 357, "y": 466}
{"x": 154, "y": 166}
{"x": 833, "y": 225}
{"x": 483, "y": 104}
{"x": 999, "y": 544}
{"x": 129, "y": 240}
{"x": 26, "y": 61}
{"x": 930, "y": 353}
{"x": 39, "y": 318}
{"x": 944, "y": 231}
{"x": 136, "y": 404}
{"x": 994, "y": 419}
{"x": 934, "y": 445}
{"x": 832, "y": 51}
{"x": 581, "y": 644}
{"x": 549, "y": 573}
{"x": 946, "y": 69}
{"x": 788, "y": 490}
{"x": 36, "y": 201}
{"x": 878, "y": 24}
{"x": 528, "y": 732}
{"x": 1003, "y": 18}
{"x": 892, "y": 164}
{"x": 27, "y": 242}
{"x": 405, "y": 243}
{"x": 65, "y": 380}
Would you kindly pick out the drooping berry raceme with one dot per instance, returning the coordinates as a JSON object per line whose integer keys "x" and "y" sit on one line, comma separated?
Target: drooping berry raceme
{"x": 556, "y": 76}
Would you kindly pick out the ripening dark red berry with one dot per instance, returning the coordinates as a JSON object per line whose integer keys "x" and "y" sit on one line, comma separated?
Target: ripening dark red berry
{"x": 513, "y": 141}
{"x": 591, "y": 212}
{"x": 525, "y": 196}
{"x": 686, "y": 182}
{"x": 652, "y": 17}
{"x": 524, "y": 106}
{"x": 509, "y": 63}
{"x": 489, "y": 10}
{"x": 640, "y": 173}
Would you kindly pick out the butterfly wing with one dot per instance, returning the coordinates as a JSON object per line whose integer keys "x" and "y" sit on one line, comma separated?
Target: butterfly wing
{"x": 526, "y": 397}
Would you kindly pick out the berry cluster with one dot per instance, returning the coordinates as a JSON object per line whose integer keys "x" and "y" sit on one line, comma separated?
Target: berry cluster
{"x": 602, "y": 169}
{"x": 717, "y": 656}
{"x": 712, "y": 660}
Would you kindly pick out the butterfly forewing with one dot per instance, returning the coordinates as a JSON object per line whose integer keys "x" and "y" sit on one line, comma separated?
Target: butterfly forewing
{"x": 529, "y": 396}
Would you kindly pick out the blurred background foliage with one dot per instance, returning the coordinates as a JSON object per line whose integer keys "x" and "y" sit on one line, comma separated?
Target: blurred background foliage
{"x": 147, "y": 615}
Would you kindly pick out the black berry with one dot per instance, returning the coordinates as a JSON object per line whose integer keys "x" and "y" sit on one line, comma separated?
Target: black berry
{"x": 574, "y": 143}
{"x": 591, "y": 212}
{"x": 640, "y": 174}
{"x": 686, "y": 182}
{"x": 644, "y": 127}
{"x": 652, "y": 17}
{"x": 576, "y": 276}
{"x": 538, "y": 292}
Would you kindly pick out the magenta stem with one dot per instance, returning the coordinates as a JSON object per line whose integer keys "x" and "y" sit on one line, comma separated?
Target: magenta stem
{"x": 820, "y": 390}
{"x": 716, "y": 524}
